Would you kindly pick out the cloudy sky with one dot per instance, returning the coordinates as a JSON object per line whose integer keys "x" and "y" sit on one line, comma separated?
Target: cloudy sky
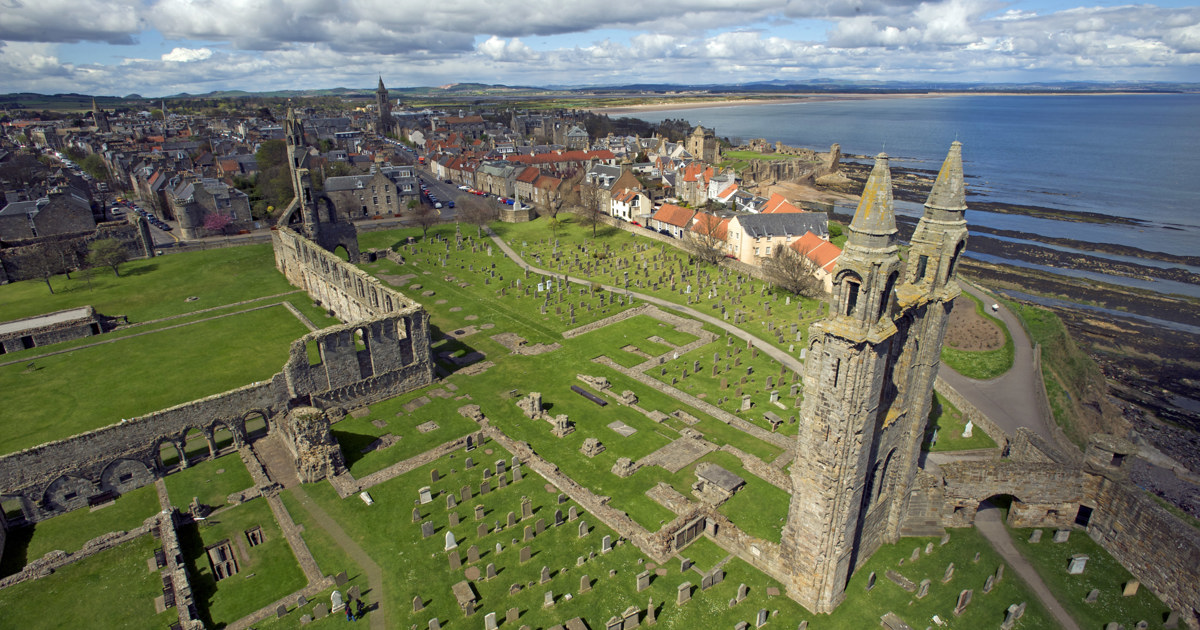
{"x": 163, "y": 47}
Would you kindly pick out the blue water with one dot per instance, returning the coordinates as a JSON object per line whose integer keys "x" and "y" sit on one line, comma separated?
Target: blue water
{"x": 1121, "y": 155}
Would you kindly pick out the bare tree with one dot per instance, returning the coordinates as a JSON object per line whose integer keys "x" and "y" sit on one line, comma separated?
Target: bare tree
{"x": 426, "y": 216}
{"x": 475, "y": 211}
{"x": 67, "y": 255}
{"x": 793, "y": 271}
{"x": 42, "y": 262}
{"x": 591, "y": 205}
{"x": 707, "y": 238}
{"x": 107, "y": 252}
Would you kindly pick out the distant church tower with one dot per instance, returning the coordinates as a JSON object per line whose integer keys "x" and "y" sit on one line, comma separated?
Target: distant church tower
{"x": 702, "y": 144}
{"x": 868, "y": 383}
{"x": 384, "y": 125}
{"x": 99, "y": 118}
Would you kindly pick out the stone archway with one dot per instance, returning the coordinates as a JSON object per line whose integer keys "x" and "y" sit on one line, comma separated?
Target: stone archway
{"x": 124, "y": 475}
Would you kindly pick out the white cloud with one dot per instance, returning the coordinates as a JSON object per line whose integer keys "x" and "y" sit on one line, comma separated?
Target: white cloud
{"x": 188, "y": 54}
{"x": 112, "y": 21}
{"x": 512, "y": 50}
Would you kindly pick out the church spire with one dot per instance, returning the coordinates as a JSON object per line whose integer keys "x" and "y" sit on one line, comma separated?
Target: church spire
{"x": 948, "y": 191}
{"x": 381, "y": 88}
{"x": 875, "y": 215}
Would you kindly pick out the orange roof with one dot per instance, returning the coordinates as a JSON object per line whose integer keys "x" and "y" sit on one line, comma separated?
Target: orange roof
{"x": 777, "y": 204}
{"x": 710, "y": 225}
{"x": 674, "y": 215}
{"x": 729, "y": 190}
{"x": 565, "y": 156}
{"x": 455, "y": 120}
{"x": 546, "y": 181}
{"x": 529, "y": 175}
{"x": 818, "y": 250}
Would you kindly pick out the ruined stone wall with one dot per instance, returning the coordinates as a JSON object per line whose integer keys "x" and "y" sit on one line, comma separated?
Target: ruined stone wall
{"x": 53, "y": 333}
{"x": 1160, "y": 550}
{"x": 1044, "y": 495}
{"x": 970, "y": 412}
{"x": 14, "y": 259}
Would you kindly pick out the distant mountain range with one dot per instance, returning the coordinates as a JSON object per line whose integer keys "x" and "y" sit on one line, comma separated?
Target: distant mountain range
{"x": 26, "y": 100}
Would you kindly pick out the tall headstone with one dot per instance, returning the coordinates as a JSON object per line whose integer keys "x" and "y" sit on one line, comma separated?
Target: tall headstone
{"x": 583, "y": 529}
{"x": 683, "y": 593}
{"x": 424, "y": 495}
{"x": 643, "y": 581}
{"x": 489, "y": 621}
{"x": 762, "y": 618}
{"x": 964, "y": 599}
{"x": 426, "y": 529}
{"x": 585, "y": 583}
{"x": 450, "y": 542}
{"x": 526, "y": 554}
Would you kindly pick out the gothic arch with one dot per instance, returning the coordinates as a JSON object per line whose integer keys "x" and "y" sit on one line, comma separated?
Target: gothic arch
{"x": 123, "y": 475}
{"x": 330, "y": 214}
{"x": 68, "y": 492}
{"x": 951, "y": 267}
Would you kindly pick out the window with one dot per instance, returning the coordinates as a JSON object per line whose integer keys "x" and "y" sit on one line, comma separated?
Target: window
{"x": 389, "y": 200}
{"x": 375, "y": 200}
{"x": 767, "y": 253}
{"x": 851, "y": 297}
{"x": 922, "y": 263}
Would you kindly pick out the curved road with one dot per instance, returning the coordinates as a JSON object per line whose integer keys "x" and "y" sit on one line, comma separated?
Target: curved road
{"x": 1011, "y": 399}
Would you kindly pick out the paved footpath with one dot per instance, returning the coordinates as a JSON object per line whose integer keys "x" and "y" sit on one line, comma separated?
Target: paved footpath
{"x": 1010, "y": 399}
{"x": 988, "y": 522}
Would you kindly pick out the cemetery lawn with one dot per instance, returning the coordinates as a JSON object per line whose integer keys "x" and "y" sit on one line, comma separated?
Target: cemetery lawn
{"x": 211, "y": 481}
{"x": 111, "y": 589}
{"x": 948, "y": 421}
{"x": 266, "y": 572}
{"x": 1102, "y": 572}
{"x": 66, "y": 394}
{"x": 983, "y": 364}
{"x": 69, "y": 532}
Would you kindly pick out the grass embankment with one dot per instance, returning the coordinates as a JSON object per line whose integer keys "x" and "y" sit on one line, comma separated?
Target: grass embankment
{"x": 982, "y": 364}
{"x": 1068, "y": 372}
{"x": 948, "y": 422}
{"x": 738, "y": 160}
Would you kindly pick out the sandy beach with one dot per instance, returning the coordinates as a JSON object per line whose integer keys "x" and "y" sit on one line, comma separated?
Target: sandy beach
{"x": 667, "y": 105}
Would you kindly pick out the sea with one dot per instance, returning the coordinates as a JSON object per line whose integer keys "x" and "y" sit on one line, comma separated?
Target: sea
{"x": 1124, "y": 155}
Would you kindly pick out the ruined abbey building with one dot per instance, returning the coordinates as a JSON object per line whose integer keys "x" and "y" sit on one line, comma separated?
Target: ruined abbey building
{"x": 382, "y": 350}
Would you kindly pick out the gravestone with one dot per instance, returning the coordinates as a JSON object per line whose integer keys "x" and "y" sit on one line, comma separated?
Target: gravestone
{"x": 685, "y": 564}
{"x": 485, "y": 487}
{"x": 353, "y": 593}
{"x": 923, "y": 589}
{"x": 512, "y": 615}
{"x": 683, "y": 593}
{"x": 742, "y": 591}
{"x": 1077, "y": 564}
{"x": 465, "y": 493}
{"x": 469, "y": 463}
{"x": 320, "y": 611}
{"x": 606, "y": 544}
{"x": 916, "y": 553}
{"x": 548, "y": 599}
{"x": 1131, "y": 588}
{"x": 928, "y": 548}
{"x": 426, "y": 529}
{"x": 424, "y": 495}
{"x": 949, "y": 575}
{"x": 450, "y": 503}
{"x": 583, "y": 529}
{"x": 1062, "y": 535}
{"x": 964, "y": 599}
{"x": 434, "y": 624}
{"x": 453, "y": 519}
{"x": 335, "y": 601}
{"x": 499, "y": 548}
{"x": 558, "y": 518}
{"x": 526, "y": 508}
{"x": 540, "y": 526}
{"x": 281, "y": 611}
{"x": 545, "y": 576}
{"x": 643, "y": 581}
{"x": 1000, "y": 573}
{"x": 585, "y": 584}
{"x": 528, "y": 533}
{"x": 988, "y": 584}
{"x": 491, "y": 571}
{"x": 473, "y": 554}
{"x": 512, "y": 519}
{"x": 416, "y": 515}
{"x": 526, "y": 554}
{"x": 455, "y": 560}
{"x": 572, "y": 513}
{"x": 870, "y": 581}
{"x": 1035, "y": 537}
{"x": 433, "y": 476}
{"x": 418, "y": 604}
{"x": 517, "y": 475}
{"x": 450, "y": 542}
{"x": 481, "y": 530}
{"x": 762, "y": 618}
{"x": 489, "y": 621}
{"x": 1092, "y": 596}
{"x": 478, "y": 512}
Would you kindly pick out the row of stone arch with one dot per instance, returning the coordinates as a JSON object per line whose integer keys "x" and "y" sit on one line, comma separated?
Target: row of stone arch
{"x": 133, "y": 470}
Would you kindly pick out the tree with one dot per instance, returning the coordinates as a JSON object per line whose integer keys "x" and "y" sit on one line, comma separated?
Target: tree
{"x": 107, "y": 252}
{"x": 427, "y": 217}
{"x": 707, "y": 238}
{"x": 555, "y": 225}
{"x": 475, "y": 211}
{"x": 94, "y": 165}
{"x": 793, "y": 271}
{"x": 42, "y": 262}
{"x": 412, "y": 205}
{"x": 216, "y": 222}
{"x": 591, "y": 205}
{"x": 66, "y": 255}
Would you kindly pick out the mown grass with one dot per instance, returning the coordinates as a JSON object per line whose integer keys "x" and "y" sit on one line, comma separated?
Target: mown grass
{"x": 948, "y": 422}
{"x": 1102, "y": 572}
{"x": 111, "y": 589}
{"x": 68, "y": 532}
{"x": 55, "y": 397}
{"x": 209, "y": 481}
{"x": 981, "y": 364}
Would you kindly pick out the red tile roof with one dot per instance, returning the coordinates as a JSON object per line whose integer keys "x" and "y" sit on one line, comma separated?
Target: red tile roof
{"x": 777, "y": 204}
{"x": 818, "y": 250}
{"x": 707, "y": 224}
{"x": 674, "y": 215}
{"x": 529, "y": 175}
{"x": 565, "y": 156}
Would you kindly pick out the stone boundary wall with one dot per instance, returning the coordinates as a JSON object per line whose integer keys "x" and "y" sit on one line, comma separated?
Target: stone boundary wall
{"x": 764, "y": 555}
{"x": 607, "y": 321}
{"x": 55, "y": 560}
{"x": 348, "y": 485}
{"x": 1030, "y": 482}
{"x": 972, "y": 413}
{"x": 185, "y": 600}
{"x": 712, "y": 410}
{"x": 14, "y": 259}
{"x": 86, "y": 326}
{"x": 1160, "y": 550}
{"x": 760, "y": 469}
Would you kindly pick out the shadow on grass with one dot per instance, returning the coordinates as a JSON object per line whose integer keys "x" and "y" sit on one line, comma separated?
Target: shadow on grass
{"x": 16, "y": 550}
{"x": 140, "y": 270}
{"x": 203, "y": 586}
{"x": 352, "y": 445}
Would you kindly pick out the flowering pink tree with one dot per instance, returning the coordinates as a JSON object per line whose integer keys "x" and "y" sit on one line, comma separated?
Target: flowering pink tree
{"x": 216, "y": 222}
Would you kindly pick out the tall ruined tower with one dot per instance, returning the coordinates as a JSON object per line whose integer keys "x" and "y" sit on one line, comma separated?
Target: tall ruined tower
{"x": 384, "y": 125}
{"x": 99, "y": 118}
{"x": 316, "y": 215}
{"x": 868, "y": 382}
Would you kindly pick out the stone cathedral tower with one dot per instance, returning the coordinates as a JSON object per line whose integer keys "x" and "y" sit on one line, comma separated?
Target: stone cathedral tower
{"x": 384, "y": 106}
{"x": 315, "y": 214}
{"x": 868, "y": 383}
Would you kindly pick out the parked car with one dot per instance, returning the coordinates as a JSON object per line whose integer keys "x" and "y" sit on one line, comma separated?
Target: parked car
{"x": 449, "y": 204}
